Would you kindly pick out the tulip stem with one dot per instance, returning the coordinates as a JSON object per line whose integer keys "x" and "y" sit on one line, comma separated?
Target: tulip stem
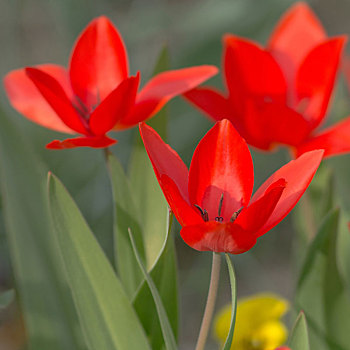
{"x": 209, "y": 308}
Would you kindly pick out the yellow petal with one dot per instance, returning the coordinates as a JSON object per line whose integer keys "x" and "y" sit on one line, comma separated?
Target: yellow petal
{"x": 256, "y": 317}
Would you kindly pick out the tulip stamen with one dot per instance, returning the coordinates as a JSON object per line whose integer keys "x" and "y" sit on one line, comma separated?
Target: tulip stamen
{"x": 235, "y": 215}
{"x": 81, "y": 108}
{"x": 219, "y": 218}
{"x": 204, "y": 213}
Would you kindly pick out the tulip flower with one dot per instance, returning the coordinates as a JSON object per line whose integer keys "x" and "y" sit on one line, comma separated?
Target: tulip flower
{"x": 96, "y": 94}
{"x": 212, "y": 201}
{"x": 280, "y": 94}
{"x": 258, "y": 323}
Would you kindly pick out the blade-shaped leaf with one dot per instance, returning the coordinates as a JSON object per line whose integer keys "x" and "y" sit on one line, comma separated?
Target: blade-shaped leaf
{"x": 164, "y": 275}
{"x": 125, "y": 217}
{"x": 168, "y": 334}
{"x": 105, "y": 312}
{"x": 43, "y": 293}
{"x": 310, "y": 211}
{"x": 343, "y": 249}
{"x": 231, "y": 271}
{"x": 321, "y": 293}
{"x": 145, "y": 186}
{"x": 299, "y": 339}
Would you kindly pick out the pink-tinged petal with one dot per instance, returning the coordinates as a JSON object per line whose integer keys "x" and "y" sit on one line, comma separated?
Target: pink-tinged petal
{"x": 298, "y": 32}
{"x": 316, "y": 77}
{"x": 26, "y": 98}
{"x": 221, "y": 165}
{"x": 172, "y": 175}
{"x": 253, "y": 217}
{"x": 210, "y": 101}
{"x": 251, "y": 72}
{"x": 334, "y": 140}
{"x": 54, "y": 94}
{"x": 163, "y": 87}
{"x": 98, "y": 63}
{"x": 218, "y": 237}
{"x": 115, "y": 106}
{"x": 93, "y": 141}
{"x": 298, "y": 175}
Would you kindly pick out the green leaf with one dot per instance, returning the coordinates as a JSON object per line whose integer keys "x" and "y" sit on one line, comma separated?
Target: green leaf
{"x": 343, "y": 250}
{"x": 231, "y": 271}
{"x": 310, "y": 211}
{"x": 106, "y": 315}
{"x": 126, "y": 216}
{"x": 6, "y": 298}
{"x": 299, "y": 339}
{"x": 150, "y": 201}
{"x": 51, "y": 322}
{"x": 164, "y": 275}
{"x": 321, "y": 293}
{"x": 168, "y": 334}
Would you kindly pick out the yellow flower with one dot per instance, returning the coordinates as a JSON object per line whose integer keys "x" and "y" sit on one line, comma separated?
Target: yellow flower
{"x": 258, "y": 325}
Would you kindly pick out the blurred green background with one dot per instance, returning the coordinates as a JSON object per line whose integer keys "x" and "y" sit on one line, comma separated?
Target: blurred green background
{"x": 43, "y": 31}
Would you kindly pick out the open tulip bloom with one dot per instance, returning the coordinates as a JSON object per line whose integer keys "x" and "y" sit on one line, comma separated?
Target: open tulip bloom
{"x": 212, "y": 201}
{"x": 280, "y": 94}
{"x": 96, "y": 94}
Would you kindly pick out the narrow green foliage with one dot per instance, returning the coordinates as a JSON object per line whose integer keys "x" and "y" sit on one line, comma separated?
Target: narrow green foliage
{"x": 164, "y": 275}
{"x": 126, "y": 216}
{"x": 321, "y": 292}
{"x": 105, "y": 312}
{"x": 168, "y": 334}
{"x": 51, "y": 322}
{"x": 299, "y": 339}
{"x": 231, "y": 271}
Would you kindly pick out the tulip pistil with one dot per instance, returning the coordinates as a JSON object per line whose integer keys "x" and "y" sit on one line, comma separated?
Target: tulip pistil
{"x": 219, "y": 218}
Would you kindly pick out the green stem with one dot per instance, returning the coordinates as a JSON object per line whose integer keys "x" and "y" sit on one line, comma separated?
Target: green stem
{"x": 209, "y": 308}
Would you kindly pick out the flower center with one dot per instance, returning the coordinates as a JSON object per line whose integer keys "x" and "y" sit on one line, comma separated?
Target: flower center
{"x": 219, "y": 218}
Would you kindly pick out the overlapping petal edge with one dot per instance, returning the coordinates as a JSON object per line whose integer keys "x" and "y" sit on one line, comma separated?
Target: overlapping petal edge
{"x": 212, "y": 201}
{"x": 95, "y": 94}
{"x": 279, "y": 94}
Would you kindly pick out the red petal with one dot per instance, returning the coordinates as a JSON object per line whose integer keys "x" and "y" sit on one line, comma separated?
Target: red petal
{"x": 251, "y": 72}
{"x": 221, "y": 164}
{"x": 93, "y": 141}
{"x": 185, "y": 213}
{"x": 26, "y": 99}
{"x": 298, "y": 175}
{"x": 298, "y": 32}
{"x": 115, "y": 106}
{"x": 266, "y": 123}
{"x": 210, "y": 101}
{"x": 163, "y": 87}
{"x": 316, "y": 76}
{"x": 98, "y": 63}
{"x": 54, "y": 94}
{"x": 218, "y": 237}
{"x": 172, "y": 175}
{"x": 253, "y": 217}
{"x": 334, "y": 140}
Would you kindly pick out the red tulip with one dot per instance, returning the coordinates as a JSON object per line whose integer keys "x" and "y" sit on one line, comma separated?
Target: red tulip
{"x": 212, "y": 201}
{"x": 280, "y": 94}
{"x": 96, "y": 94}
